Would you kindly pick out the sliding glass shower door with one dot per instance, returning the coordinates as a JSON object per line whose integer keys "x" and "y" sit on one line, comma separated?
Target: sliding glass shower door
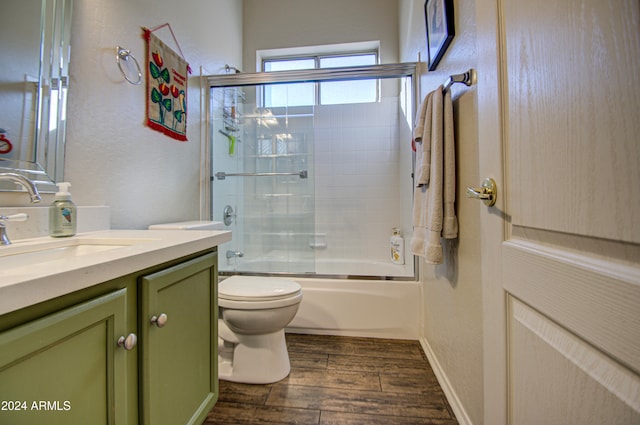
{"x": 263, "y": 187}
{"x": 310, "y": 179}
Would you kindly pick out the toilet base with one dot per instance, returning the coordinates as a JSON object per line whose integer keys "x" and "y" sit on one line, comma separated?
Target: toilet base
{"x": 252, "y": 359}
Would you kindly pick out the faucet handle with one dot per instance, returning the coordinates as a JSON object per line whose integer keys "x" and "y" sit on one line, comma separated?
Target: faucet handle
{"x": 4, "y": 239}
{"x": 14, "y": 217}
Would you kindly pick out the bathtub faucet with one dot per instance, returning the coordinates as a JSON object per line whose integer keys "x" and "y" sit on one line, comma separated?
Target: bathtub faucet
{"x": 231, "y": 254}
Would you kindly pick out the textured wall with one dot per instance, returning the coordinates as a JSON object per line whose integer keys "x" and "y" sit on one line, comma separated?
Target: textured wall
{"x": 112, "y": 158}
{"x": 452, "y": 295}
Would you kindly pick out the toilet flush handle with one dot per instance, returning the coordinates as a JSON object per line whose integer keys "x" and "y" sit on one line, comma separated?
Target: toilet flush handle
{"x": 160, "y": 320}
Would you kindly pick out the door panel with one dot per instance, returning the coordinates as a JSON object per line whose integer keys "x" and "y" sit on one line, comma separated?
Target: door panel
{"x": 573, "y": 87}
{"x": 591, "y": 301}
{"x": 580, "y": 384}
{"x": 561, "y": 248}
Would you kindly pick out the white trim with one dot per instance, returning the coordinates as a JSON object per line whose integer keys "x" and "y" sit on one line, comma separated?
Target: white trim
{"x": 316, "y": 50}
{"x": 447, "y": 388}
{"x": 205, "y": 151}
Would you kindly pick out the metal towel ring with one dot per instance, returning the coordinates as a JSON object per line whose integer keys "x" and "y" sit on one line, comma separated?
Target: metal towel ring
{"x": 123, "y": 54}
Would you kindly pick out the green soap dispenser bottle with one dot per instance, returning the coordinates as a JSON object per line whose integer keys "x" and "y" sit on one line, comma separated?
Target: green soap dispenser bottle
{"x": 62, "y": 213}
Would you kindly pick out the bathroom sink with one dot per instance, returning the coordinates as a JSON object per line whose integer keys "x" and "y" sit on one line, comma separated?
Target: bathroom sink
{"x": 39, "y": 269}
{"x": 27, "y": 253}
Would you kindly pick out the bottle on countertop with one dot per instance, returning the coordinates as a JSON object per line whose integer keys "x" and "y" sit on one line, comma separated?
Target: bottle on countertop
{"x": 62, "y": 213}
{"x": 397, "y": 247}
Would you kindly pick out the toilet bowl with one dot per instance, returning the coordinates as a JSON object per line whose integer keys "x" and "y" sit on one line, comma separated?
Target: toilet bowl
{"x": 253, "y": 312}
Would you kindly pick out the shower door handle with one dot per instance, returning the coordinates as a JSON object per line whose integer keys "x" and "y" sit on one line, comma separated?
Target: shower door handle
{"x": 221, "y": 175}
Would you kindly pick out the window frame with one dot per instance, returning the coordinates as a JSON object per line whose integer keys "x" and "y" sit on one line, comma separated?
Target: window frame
{"x": 317, "y": 57}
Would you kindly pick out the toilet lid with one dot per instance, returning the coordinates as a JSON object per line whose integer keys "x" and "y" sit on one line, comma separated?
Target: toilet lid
{"x": 256, "y": 288}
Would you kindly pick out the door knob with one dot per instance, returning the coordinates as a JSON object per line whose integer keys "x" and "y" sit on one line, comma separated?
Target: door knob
{"x": 488, "y": 192}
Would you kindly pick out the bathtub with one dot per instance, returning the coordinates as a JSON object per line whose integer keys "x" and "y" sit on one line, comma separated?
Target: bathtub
{"x": 375, "y": 270}
{"x": 365, "y": 307}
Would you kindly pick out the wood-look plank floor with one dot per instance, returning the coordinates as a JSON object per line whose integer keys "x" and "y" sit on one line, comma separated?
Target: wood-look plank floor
{"x": 341, "y": 381}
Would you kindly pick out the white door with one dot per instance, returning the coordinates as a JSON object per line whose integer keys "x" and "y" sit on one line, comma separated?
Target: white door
{"x": 559, "y": 131}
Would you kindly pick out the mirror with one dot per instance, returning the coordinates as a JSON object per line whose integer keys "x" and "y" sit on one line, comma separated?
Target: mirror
{"x": 34, "y": 80}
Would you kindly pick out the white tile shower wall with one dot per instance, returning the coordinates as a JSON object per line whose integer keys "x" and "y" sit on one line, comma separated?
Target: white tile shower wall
{"x": 279, "y": 210}
{"x": 357, "y": 173}
{"x": 352, "y": 196}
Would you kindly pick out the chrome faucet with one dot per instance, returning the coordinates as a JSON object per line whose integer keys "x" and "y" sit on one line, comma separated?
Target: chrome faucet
{"x": 4, "y": 239}
{"x": 35, "y": 197}
{"x": 28, "y": 184}
{"x": 231, "y": 254}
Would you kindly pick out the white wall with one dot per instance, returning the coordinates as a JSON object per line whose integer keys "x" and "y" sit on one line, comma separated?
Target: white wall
{"x": 277, "y": 24}
{"x": 452, "y": 296}
{"x": 112, "y": 158}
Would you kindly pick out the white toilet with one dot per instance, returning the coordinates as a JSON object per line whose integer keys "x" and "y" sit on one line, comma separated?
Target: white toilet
{"x": 253, "y": 314}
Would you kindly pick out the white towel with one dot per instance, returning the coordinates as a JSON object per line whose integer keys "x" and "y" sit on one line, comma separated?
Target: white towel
{"x": 450, "y": 221}
{"x": 423, "y": 154}
{"x": 434, "y": 195}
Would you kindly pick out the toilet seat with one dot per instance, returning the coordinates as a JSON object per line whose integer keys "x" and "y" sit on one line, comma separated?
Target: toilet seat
{"x": 256, "y": 288}
{"x": 256, "y": 292}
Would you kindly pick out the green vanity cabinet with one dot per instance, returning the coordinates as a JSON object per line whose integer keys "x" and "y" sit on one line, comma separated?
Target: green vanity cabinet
{"x": 66, "y": 367}
{"x": 179, "y": 343}
{"x": 93, "y": 356}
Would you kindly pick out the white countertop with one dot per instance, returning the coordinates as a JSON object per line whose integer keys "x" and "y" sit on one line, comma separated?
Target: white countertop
{"x": 33, "y": 283}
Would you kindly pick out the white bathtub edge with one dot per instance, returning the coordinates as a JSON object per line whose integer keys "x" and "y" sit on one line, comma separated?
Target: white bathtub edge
{"x": 362, "y": 308}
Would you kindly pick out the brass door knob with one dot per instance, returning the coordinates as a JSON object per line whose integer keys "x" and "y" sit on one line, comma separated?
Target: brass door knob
{"x": 488, "y": 192}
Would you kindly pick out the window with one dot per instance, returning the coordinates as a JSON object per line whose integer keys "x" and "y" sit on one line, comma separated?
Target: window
{"x": 323, "y": 93}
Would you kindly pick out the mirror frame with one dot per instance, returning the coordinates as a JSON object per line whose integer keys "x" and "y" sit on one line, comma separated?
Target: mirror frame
{"x": 47, "y": 166}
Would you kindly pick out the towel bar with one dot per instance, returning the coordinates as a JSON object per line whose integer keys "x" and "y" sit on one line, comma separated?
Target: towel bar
{"x": 221, "y": 175}
{"x": 469, "y": 78}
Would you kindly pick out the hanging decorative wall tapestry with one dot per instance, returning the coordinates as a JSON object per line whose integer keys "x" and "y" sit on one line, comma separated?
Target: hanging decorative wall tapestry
{"x": 166, "y": 87}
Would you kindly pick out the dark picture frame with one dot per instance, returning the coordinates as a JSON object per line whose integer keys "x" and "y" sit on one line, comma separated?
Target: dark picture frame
{"x": 440, "y": 29}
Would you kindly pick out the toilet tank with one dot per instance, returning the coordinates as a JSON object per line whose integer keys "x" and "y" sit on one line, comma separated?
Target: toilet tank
{"x": 189, "y": 225}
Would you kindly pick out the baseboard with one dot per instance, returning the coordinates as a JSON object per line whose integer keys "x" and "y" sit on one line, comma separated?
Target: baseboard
{"x": 449, "y": 392}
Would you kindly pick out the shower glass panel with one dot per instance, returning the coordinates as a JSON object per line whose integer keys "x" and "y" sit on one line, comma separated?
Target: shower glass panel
{"x": 264, "y": 194}
{"x": 312, "y": 189}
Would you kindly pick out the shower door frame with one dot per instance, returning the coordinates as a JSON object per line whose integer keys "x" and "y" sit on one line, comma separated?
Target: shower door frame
{"x": 384, "y": 71}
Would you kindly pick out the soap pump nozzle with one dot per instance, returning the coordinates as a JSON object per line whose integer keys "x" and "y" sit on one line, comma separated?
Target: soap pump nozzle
{"x": 63, "y": 190}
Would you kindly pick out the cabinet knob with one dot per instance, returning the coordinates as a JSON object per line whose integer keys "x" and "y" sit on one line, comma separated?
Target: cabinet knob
{"x": 160, "y": 320}
{"x": 129, "y": 342}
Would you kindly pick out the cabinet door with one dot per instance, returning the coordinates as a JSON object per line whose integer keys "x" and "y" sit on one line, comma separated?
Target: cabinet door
{"x": 179, "y": 358}
{"x": 66, "y": 368}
